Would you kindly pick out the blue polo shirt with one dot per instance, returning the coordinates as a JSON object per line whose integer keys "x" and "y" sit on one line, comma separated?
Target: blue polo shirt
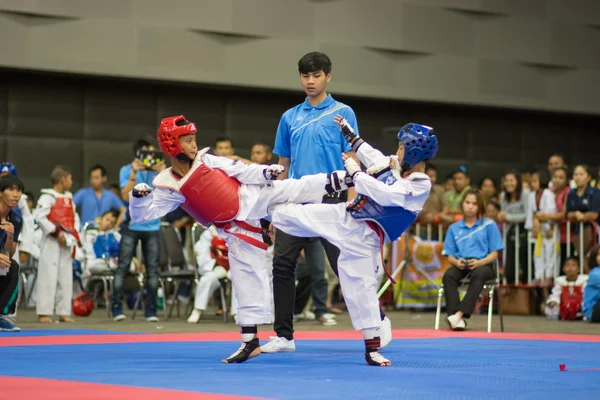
{"x": 141, "y": 177}
{"x": 308, "y": 136}
{"x": 591, "y": 295}
{"x": 92, "y": 206}
{"x": 475, "y": 242}
{"x": 589, "y": 202}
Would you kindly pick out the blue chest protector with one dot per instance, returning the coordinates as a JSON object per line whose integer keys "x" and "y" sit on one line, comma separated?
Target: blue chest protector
{"x": 106, "y": 246}
{"x": 393, "y": 220}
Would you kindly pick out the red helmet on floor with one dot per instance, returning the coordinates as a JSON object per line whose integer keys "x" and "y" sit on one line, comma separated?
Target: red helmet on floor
{"x": 170, "y": 130}
{"x": 83, "y": 305}
{"x": 220, "y": 252}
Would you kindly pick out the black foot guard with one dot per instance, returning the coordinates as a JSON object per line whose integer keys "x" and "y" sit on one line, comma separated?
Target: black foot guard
{"x": 247, "y": 350}
{"x": 376, "y": 359}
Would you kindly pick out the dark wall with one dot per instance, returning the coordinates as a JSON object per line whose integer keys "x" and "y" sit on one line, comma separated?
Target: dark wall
{"x": 80, "y": 121}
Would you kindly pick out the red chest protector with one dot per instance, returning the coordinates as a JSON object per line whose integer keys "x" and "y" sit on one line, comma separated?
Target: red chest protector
{"x": 211, "y": 196}
{"x": 571, "y": 299}
{"x": 62, "y": 213}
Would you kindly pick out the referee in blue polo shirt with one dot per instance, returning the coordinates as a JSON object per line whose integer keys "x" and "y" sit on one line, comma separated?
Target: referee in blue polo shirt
{"x": 308, "y": 142}
{"x": 472, "y": 245}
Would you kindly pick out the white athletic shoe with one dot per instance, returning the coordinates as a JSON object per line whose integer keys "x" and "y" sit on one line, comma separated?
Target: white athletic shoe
{"x": 194, "y": 316}
{"x": 455, "y": 323}
{"x": 278, "y": 344}
{"x": 119, "y": 317}
{"x": 153, "y": 318}
{"x": 326, "y": 321}
{"x": 386, "y": 332}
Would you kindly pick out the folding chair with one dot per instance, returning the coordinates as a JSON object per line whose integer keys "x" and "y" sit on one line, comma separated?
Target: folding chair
{"x": 491, "y": 285}
{"x": 175, "y": 270}
{"x": 30, "y": 268}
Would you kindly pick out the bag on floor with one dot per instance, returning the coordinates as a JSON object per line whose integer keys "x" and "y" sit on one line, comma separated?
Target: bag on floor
{"x": 517, "y": 299}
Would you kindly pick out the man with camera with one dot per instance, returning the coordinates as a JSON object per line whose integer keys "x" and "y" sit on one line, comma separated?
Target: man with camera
{"x": 146, "y": 165}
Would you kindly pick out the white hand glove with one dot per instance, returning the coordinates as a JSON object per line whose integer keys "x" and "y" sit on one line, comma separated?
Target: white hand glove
{"x": 377, "y": 169}
{"x": 351, "y": 166}
{"x": 273, "y": 171}
{"x": 141, "y": 190}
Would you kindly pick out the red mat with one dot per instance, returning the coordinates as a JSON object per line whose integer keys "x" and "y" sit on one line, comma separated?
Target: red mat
{"x": 399, "y": 334}
{"x": 16, "y": 388}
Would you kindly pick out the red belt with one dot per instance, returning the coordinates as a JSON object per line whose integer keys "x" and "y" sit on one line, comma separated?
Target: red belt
{"x": 379, "y": 232}
{"x": 246, "y": 226}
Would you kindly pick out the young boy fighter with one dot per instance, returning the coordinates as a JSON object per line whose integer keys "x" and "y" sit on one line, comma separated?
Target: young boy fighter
{"x": 391, "y": 195}
{"x": 233, "y": 196}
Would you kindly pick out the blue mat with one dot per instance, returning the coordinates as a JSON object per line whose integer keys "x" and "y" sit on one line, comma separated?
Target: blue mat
{"x": 453, "y": 368}
{"x": 62, "y": 332}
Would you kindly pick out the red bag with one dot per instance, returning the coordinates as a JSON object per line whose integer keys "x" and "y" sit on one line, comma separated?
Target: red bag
{"x": 571, "y": 299}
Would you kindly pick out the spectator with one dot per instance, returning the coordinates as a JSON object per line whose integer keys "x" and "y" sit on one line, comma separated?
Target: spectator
{"x": 526, "y": 181}
{"x": 261, "y": 153}
{"x": 567, "y": 304}
{"x": 561, "y": 191}
{"x": 11, "y": 224}
{"x": 488, "y": 190}
{"x": 583, "y": 205}
{"x": 436, "y": 201}
{"x": 116, "y": 189}
{"x": 132, "y": 233}
{"x": 448, "y": 183}
{"x": 224, "y": 147}
{"x": 513, "y": 203}
{"x": 542, "y": 200}
{"x": 472, "y": 246}
{"x": 95, "y": 200}
{"x": 30, "y": 200}
{"x": 591, "y": 296}
{"x": 454, "y": 197}
{"x": 55, "y": 215}
{"x": 311, "y": 146}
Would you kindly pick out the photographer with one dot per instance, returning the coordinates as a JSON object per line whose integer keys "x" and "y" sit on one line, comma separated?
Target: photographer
{"x": 144, "y": 168}
{"x": 11, "y": 224}
{"x": 472, "y": 245}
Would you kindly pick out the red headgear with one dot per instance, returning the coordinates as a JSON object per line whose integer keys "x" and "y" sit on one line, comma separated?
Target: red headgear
{"x": 83, "y": 304}
{"x": 169, "y": 133}
{"x": 219, "y": 251}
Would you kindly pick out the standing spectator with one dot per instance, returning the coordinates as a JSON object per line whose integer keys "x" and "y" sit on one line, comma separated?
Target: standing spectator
{"x": 436, "y": 201}
{"x": 116, "y": 189}
{"x": 591, "y": 296}
{"x": 55, "y": 215}
{"x": 308, "y": 142}
{"x": 472, "y": 246}
{"x": 454, "y": 197}
{"x": 583, "y": 205}
{"x": 261, "y": 153}
{"x": 488, "y": 190}
{"x": 513, "y": 203}
{"x": 133, "y": 232}
{"x": 556, "y": 161}
{"x": 561, "y": 190}
{"x": 95, "y": 200}
{"x": 11, "y": 224}
{"x": 448, "y": 184}
{"x": 224, "y": 147}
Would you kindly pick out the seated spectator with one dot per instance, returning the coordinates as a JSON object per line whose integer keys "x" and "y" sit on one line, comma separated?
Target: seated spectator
{"x": 213, "y": 265}
{"x": 514, "y": 201}
{"x": 583, "y": 205}
{"x": 261, "y": 153}
{"x": 566, "y": 299}
{"x": 94, "y": 200}
{"x": 11, "y": 224}
{"x": 471, "y": 246}
{"x": 591, "y": 296}
{"x": 454, "y": 198}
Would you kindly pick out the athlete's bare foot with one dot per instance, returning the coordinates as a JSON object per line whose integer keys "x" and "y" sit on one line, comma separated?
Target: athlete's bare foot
{"x": 66, "y": 319}
{"x": 44, "y": 319}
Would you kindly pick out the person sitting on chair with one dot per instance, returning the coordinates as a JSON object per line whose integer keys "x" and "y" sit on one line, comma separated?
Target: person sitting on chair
{"x": 471, "y": 246}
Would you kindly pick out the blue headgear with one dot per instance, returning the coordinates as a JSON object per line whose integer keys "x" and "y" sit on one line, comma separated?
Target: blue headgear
{"x": 7, "y": 167}
{"x": 420, "y": 144}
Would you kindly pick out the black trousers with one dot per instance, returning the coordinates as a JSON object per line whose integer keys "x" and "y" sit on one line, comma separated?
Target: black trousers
{"x": 596, "y": 312}
{"x": 509, "y": 263}
{"x": 9, "y": 287}
{"x": 451, "y": 280}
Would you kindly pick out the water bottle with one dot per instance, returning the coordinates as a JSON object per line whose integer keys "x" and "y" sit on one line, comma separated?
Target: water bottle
{"x": 160, "y": 301}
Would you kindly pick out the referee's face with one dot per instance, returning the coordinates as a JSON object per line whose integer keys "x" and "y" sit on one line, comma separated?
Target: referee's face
{"x": 314, "y": 83}
{"x": 470, "y": 206}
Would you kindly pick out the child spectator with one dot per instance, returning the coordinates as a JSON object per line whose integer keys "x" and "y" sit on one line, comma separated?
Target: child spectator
{"x": 566, "y": 300}
{"x": 261, "y": 153}
{"x": 56, "y": 216}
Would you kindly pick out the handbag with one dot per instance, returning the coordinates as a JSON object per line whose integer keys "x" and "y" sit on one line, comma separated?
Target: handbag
{"x": 517, "y": 299}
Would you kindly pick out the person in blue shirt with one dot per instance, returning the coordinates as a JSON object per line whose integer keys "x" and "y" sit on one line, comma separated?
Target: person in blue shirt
{"x": 308, "y": 141}
{"x": 583, "y": 205}
{"x": 132, "y": 233}
{"x": 472, "y": 246}
{"x": 11, "y": 224}
{"x": 591, "y": 295}
{"x": 95, "y": 200}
